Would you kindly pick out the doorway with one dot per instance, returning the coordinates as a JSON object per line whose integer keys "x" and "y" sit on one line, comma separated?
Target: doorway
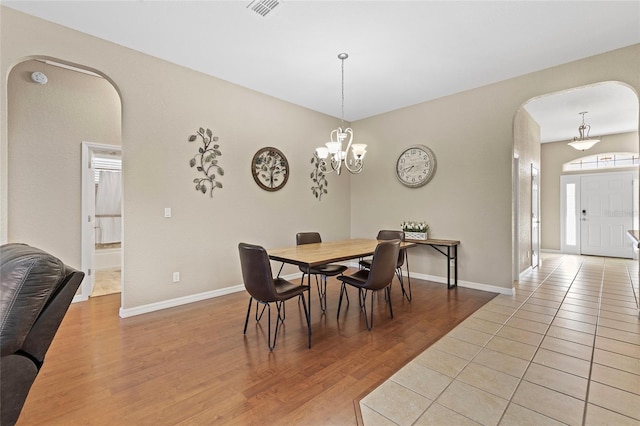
{"x": 597, "y": 210}
{"x": 543, "y": 126}
{"x": 102, "y": 248}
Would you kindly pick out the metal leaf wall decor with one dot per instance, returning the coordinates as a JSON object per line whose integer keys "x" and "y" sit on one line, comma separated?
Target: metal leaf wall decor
{"x": 206, "y": 161}
{"x": 320, "y": 182}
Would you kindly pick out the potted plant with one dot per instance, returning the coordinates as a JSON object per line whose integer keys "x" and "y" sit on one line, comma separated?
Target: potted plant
{"x": 415, "y": 230}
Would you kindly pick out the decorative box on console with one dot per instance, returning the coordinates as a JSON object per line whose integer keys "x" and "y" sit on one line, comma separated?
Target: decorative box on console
{"x": 415, "y": 230}
{"x": 415, "y": 235}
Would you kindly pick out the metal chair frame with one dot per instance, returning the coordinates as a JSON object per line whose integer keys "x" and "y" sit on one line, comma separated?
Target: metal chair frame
{"x": 280, "y": 306}
{"x": 366, "y": 282}
{"x": 263, "y": 288}
{"x": 366, "y": 264}
{"x": 309, "y": 238}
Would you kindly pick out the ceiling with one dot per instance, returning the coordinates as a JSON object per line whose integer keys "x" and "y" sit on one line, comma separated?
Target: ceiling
{"x": 400, "y": 52}
{"x": 611, "y": 108}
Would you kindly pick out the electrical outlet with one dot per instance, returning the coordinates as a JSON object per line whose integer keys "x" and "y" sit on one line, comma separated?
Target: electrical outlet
{"x": 176, "y": 277}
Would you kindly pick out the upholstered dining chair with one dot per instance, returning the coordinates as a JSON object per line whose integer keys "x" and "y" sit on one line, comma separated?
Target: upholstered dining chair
{"x": 376, "y": 278}
{"x": 265, "y": 290}
{"x": 325, "y": 271}
{"x": 394, "y": 235}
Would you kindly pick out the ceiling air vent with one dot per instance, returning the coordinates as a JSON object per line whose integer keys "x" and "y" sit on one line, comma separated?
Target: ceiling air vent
{"x": 263, "y": 7}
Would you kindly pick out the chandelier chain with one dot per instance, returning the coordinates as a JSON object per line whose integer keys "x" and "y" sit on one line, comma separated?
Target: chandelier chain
{"x": 342, "y": 116}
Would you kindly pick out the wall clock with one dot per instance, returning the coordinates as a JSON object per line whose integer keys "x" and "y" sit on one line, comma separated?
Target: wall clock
{"x": 416, "y": 166}
{"x": 270, "y": 169}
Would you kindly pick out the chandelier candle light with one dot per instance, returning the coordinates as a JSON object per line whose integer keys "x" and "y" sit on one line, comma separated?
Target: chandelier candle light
{"x": 583, "y": 142}
{"x": 332, "y": 155}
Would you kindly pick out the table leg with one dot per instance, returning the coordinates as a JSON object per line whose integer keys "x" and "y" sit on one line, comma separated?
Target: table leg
{"x": 406, "y": 259}
{"x": 455, "y": 265}
{"x": 309, "y": 310}
{"x": 448, "y": 267}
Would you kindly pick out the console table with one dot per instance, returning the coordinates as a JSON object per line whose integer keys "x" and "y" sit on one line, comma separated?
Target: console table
{"x": 445, "y": 247}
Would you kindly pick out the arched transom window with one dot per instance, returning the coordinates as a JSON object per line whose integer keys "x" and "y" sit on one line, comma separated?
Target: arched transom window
{"x": 608, "y": 160}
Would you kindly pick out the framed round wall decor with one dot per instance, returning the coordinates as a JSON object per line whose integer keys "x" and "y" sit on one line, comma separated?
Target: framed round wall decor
{"x": 416, "y": 166}
{"x": 270, "y": 168}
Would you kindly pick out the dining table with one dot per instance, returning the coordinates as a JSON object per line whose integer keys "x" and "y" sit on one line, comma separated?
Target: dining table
{"x": 316, "y": 254}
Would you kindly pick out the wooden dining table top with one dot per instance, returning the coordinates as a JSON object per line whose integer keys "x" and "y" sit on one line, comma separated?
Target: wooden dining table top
{"x": 326, "y": 252}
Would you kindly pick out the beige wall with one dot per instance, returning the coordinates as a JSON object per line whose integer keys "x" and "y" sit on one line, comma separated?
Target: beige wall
{"x": 554, "y": 155}
{"x": 47, "y": 123}
{"x": 162, "y": 104}
{"x": 469, "y": 198}
{"x": 472, "y": 136}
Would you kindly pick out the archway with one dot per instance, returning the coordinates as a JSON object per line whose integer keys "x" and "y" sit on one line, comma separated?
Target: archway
{"x": 551, "y": 120}
{"x": 48, "y": 119}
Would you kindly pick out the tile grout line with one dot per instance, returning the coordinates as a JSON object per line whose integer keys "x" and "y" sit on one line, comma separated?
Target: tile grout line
{"x": 593, "y": 348}
{"x": 485, "y": 344}
{"x": 520, "y": 380}
{"x": 583, "y": 266}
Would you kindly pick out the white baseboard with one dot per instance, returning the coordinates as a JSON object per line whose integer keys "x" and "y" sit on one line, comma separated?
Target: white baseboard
{"x": 79, "y": 298}
{"x": 106, "y": 259}
{"x": 172, "y": 303}
{"x": 526, "y": 271}
{"x": 461, "y": 283}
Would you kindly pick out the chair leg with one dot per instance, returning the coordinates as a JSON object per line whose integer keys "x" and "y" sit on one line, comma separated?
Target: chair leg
{"x": 361, "y": 298}
{"x": 302, "y": 283}
{"x": 368, "y": 322}
{"x": 259, "y": 316}
{"x": 388, "y": 291}
{"x": 246, "y": 321}
{"x": 322, "y": 292}
{"x": 307, "y": 316}
{"x": 275, "y": 335}
{"x": 343, "y": 290}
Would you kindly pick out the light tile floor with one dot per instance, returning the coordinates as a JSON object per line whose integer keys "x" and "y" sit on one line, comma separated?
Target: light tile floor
{"x": 107, "y": 281}
{"x": 565, "y": 349}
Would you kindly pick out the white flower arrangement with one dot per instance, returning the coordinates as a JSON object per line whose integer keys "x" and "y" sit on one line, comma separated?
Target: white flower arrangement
{"x": 415, "y": 230}
{"x": 411, "y": 226}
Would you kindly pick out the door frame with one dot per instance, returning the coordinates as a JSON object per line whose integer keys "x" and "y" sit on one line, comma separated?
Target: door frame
{"x": 535, "y": 216}
{"x": 87, "y": 217}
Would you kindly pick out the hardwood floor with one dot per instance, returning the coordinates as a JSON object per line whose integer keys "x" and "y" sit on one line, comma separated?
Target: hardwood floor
{"x": 192, "y": 365}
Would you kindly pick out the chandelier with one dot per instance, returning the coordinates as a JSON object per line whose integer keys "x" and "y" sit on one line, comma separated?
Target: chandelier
{"x": 332, "y": 155}
{"x": 583, "y": 142}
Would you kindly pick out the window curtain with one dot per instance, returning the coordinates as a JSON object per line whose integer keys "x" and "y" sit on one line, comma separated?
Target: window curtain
{"x": 109, "y": 207}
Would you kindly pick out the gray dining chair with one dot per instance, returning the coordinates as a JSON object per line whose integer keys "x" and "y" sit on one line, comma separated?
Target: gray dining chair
{"x": 402, "y": 259}
{"x": 324, "y": 271}
{"x": 264, "y": 289}
{"x": 378, "y": 277}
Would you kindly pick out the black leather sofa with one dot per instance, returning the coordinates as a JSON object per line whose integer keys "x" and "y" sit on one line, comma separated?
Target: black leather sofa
{"x": 36, "y": 290}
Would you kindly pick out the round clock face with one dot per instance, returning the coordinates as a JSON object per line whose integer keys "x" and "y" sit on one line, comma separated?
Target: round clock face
{"x": 270, "y": 169}
{"x": 416, "y": 166}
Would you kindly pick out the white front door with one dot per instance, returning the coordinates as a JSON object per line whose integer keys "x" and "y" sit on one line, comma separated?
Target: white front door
{"x": 606, "y": 214}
